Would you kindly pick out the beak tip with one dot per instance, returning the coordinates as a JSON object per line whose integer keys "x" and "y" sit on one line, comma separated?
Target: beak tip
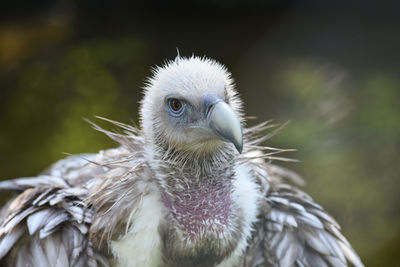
{"x": 239, "y": 149}
{"x": 239, "y": 146}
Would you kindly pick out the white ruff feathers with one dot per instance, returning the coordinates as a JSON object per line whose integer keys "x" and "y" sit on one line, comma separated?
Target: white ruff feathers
{"x": 141, "y": 245}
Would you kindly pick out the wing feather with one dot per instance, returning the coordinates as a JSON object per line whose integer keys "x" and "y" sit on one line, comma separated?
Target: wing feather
{"x": 8, "y": 241}
{"x": 299, "y": 232}
{"x": 47, "y": 224}
{"x": 38, "y": 220}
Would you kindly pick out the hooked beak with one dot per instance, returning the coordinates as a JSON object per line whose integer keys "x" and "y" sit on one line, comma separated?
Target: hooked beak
{"x": 224, "y": 121}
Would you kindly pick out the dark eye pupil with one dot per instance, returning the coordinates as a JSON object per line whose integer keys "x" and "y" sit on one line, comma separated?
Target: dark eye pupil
{"x": 176, "y": 104}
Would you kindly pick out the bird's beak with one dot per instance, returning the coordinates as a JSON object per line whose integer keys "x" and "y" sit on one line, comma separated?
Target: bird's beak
{"x": 224, "y": 121}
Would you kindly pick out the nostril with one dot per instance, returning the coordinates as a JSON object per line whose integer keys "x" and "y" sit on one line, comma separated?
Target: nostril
{"x": 208, "y": 103}
{"x": 209, "y": 108}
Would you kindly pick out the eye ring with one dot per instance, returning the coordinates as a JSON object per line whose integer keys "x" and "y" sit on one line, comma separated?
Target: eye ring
{"x": 176, "y": 106}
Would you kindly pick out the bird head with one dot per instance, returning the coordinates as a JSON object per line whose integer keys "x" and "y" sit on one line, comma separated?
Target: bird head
{"x": 190, "y": 105}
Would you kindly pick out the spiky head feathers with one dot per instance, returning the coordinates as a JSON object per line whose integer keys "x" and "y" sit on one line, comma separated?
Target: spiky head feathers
{"x": 173, "y": 111}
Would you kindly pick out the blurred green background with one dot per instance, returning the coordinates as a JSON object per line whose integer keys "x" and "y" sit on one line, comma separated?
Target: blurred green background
{"x": 332, "y": 70}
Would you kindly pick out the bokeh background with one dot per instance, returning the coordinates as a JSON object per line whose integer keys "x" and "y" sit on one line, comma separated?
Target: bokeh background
{"x": 331, "y": 69}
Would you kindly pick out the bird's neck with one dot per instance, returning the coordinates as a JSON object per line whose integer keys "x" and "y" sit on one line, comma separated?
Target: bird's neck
{"x": 197, "y": 203}
{"x": 198, "y": 194}
{"x": 204, "y": 215}
{"x": 201, "y": 218}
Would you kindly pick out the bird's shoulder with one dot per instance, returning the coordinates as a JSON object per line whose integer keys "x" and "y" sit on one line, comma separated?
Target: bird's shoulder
{"x": 48, "y": 220}
{"x": 292, "y": 229}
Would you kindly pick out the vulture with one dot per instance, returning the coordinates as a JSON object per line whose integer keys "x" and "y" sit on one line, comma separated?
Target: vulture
{"x": 190, "y": 186}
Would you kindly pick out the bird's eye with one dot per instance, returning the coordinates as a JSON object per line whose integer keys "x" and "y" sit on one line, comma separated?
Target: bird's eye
{"x": 176, "y": 106}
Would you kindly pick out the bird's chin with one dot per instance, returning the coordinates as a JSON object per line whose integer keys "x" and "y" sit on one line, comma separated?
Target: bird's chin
{"x": 201, "y": 140}
{"x": 206, "y": 151}
{"x": 205, "y": 146}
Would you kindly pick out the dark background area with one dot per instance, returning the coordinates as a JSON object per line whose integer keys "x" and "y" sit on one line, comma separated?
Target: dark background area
{"x": 331, "y": 69}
